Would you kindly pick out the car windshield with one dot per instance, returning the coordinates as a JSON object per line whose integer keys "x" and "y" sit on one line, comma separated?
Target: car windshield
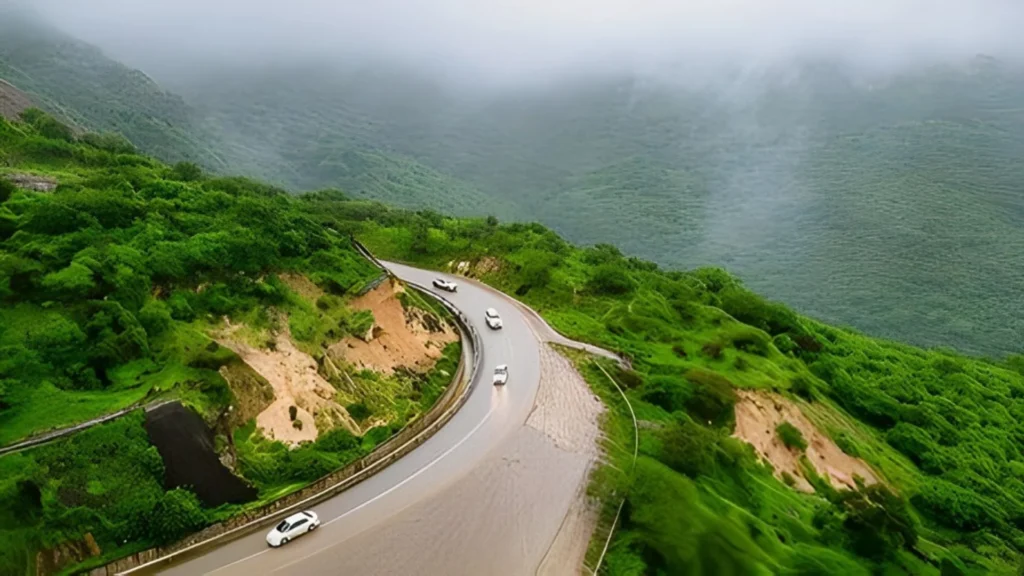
{"x": 500, "y": 370}
{"x": 282, "y": 526}
{"x": 492, "y": 313}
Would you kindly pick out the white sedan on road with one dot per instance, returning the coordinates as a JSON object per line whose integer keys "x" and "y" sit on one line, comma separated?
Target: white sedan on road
{"x": 443, "y": 284}
{"x": 501, "y": 375}
{"x": 492, "y": 318}
{"x": 292, "y": 527}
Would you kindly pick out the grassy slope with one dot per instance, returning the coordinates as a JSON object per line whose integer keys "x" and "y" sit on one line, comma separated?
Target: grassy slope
{"x": 942, "y": 429}
{"x": 101, "y": 306}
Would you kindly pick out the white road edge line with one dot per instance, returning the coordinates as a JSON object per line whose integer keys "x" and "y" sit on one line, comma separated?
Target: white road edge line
{"x": 372, "y": 500}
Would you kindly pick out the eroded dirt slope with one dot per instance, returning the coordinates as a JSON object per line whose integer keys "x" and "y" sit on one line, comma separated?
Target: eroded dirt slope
{"x": 291, "y": 400}
{"x": 400, "y": 337}
{"x": 12, "y": 101}
{"x": 293, "y": 376}
{"x": 757, "y": 416}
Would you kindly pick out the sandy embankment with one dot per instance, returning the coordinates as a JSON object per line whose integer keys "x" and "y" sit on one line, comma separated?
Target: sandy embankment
{"x": 296, "y": 382}
{"x": 757, "y": 416}
{"x": 399, "y": 338}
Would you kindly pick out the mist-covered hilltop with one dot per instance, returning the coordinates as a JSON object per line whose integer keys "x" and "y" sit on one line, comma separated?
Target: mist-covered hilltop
{"x": 892, "y": 203}
{"x": 885, "y": 197}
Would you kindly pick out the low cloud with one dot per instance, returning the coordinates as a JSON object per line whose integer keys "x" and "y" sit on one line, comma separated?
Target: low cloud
{"x": 515, "y": 40}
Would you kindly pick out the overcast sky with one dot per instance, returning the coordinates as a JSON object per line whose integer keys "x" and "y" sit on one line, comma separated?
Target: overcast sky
{"x": 525, "y": 38}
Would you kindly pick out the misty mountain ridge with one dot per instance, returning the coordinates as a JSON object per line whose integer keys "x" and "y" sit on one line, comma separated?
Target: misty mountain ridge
{"x": 889, "y": 202}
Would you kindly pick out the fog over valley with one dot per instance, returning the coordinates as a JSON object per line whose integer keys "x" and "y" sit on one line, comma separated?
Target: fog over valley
{"x": 518, "y": 41}
{"x": 856, "y": 160}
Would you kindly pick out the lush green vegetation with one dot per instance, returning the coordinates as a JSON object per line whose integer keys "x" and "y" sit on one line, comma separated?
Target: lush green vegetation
{"x": 850, "y": 204}
{"x": 943, "y": 430}
{"x": 848, "y": 197}
{"x": 109, "y": 289}
{"x": 99, "y": 279}
{"x": 106, "y": 481}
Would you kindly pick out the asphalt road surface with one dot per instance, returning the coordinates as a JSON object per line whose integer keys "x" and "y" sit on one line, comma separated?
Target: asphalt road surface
{"x": 481, "y": 493}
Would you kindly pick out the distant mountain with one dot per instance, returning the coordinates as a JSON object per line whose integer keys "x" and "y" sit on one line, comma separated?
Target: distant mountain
{"x": 76, "y": 81}
{"x": 890, "y": 203}
{"x": 894, "y": 204}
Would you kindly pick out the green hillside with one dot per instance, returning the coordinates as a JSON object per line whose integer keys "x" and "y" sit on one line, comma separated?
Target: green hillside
{"x": 108, "y": 283}
{"x": 941, "y": 431}
{"x": 75, "y": 81}
{"x": 841, "y": 193}
{"x": 113, "y": 287}
{"x": 770, "y": 174}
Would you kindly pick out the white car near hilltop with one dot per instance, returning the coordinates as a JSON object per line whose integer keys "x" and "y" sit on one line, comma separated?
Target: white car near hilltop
{"x": 492, "y": 318}
{"x": 501, "y": 375}
{"x": 292, "y": 527}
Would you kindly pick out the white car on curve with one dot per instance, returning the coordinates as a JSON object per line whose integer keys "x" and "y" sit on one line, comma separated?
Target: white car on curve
{"x": 501, "y": 375}
{"x": 443, "y": 284}
{"x": 292, "y": 527}
{"x": 493, "y": 320}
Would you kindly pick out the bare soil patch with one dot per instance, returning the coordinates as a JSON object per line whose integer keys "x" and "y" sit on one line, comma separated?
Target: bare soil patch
{"x": 69, "y": 553}
{"x": 400, "y": 338}
{"x": 476, "y": 269}
{"x": 757, "y": 416}
{"x": 32, "y": 182}
{"x": 293, "y": 376}
{"x": 12, "y": 101}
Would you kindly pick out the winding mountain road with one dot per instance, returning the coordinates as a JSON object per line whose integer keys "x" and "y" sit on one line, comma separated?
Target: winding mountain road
{"x": 487, "y": 494}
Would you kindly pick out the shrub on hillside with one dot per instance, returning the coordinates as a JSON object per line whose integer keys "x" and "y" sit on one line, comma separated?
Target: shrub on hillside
{"x": 186, "y": 172}
{"x": 612, "y": 280}
{"x": 956, "y": 507}
{"x": 877, "y": 522}
{"x": 111, "y": 142}
{"x": 713, "y": 397}
{"x": 537, "y": 266}
{"x": 847, "y": 444}
{"x": 803, "y": 386}
{"x": 713, "y": 349}
{"x": 751, "y": 309}
{"x": 667, "y": 392}
{"x": 6, "y": 189}
{"x": 750, "y": 340}
{"x": 914, "y": 442}
{"x": 688, "y": 447}
{"x": 714, "y": 279}
{"x": 177, "y": 513}
{"x": 47, "y": 126}
{"x": 791, "y": 436}
{"x": 628, "y": 379}
{"x": 155, "y": 317}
